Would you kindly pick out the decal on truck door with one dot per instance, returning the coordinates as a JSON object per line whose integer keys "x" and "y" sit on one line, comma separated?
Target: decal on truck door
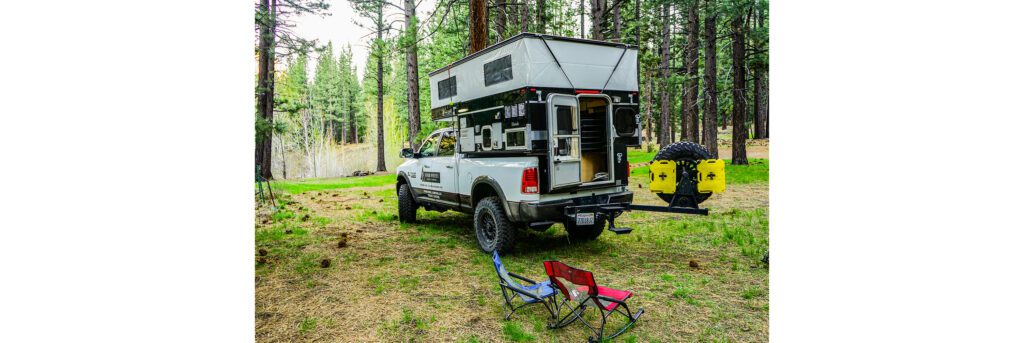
{"x": 434, "y": 177}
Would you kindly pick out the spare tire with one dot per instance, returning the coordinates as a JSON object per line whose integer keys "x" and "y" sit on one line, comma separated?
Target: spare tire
{"x": 689, "y": 153}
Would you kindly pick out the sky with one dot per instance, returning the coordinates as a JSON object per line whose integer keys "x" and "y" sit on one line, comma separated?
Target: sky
{"x": 341, "y": 29}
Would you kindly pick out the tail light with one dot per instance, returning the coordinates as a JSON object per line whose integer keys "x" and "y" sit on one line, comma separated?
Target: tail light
{"x": 531, "y": 185}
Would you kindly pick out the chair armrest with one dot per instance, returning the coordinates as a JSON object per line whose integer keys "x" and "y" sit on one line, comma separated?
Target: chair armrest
{"x": 520, "y": 277}
{"x": 620, "y": 302}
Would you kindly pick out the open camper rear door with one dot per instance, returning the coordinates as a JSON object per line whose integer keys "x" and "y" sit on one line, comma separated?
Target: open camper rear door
{"x": 564, "y": 138}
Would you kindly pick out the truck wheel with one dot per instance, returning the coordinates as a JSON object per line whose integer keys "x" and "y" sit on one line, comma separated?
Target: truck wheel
{"x": 689, "y": 153}
{"x": 584, "y": 232}
{"x": 493, "y": 229}
{"x": 406, "y": 204}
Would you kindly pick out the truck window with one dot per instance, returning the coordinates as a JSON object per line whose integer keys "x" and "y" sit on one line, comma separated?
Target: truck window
{"x": 446, "y": 146}
{"x": 429, "y": 146}
{"x": 625, "y": 122}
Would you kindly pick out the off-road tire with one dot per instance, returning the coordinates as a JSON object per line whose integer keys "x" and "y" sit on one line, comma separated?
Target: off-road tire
{"x": 406, "y": 204}
{"x": 581, "y": 233}
{"x": 493, "y": 229}
{"x": 689, "y": 153}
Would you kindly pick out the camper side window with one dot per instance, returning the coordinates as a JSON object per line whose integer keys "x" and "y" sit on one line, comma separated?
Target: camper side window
{"x": 497, "y": 71}
{"x": 515, "y": 139}
{"x": 485, "y": 134}
{"x": 625, "y": 122}
{"x": 446, "y": 88}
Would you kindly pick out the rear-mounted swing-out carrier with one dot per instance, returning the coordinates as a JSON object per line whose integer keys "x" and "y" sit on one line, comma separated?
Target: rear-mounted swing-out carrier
{"x": 674, "y": 181}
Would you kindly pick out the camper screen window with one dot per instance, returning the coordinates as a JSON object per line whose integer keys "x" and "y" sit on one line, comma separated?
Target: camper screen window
{"x": 499, "y": 70}
{"x": 565, "y": 121}
{"x": 446, "y": 88}
{"x": 625, "y": 122}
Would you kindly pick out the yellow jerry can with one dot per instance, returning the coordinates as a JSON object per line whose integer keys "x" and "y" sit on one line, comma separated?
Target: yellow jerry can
{"x": 710, "y": 176}
{"x": 663, "y": 176}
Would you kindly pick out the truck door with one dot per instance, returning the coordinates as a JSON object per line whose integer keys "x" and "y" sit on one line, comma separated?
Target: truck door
{"x": 564, "y": 136}
{"x": 437, "y": 174}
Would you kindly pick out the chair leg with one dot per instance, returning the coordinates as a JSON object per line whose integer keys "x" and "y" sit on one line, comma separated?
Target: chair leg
{"x": 571, "y": 317}
{"x": 632, "y": 318}
{"x": 506, "y": 304}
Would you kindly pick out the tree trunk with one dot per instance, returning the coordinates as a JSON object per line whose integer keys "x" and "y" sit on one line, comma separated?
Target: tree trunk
{"x": 352, "y": 117}
{"x": 692, "y": 79}
{"x": 306, "y": 151}
{"x": 617, "y": 22}
{"x": 760, "y": 89}
{"x": 597, "y": 12}
{"x": 582, "y": 22}
{"x": 636, "y": 18}
{"x": 710, "y": 137}
{"x": 665, "y": 129}
{"x": 380, "y": 93}
{"x": 524, "y": 15}
{"x": 265, "y": 89}
{"x": 284, "y": 164}
{"x": 500, "y": 19}
{"x": 542, "y": 22}
{"x": 412, "y": 72}
{"x": 760, "y": 113}
{"x": 648, "y": 104}
{"x": 739, "y": 91}
{"x": 477, "y": 25}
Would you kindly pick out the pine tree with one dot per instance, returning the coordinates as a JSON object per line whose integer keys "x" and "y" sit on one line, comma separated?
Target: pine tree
{"x": 274, "y": 40}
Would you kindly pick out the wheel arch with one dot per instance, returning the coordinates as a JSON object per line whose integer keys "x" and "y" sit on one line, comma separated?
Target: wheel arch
{"x": 484, "y": 186}
{"x": 402, "y": 180}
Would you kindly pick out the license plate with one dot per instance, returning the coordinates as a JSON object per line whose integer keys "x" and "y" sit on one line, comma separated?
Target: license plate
{"x": 584, "y": 219}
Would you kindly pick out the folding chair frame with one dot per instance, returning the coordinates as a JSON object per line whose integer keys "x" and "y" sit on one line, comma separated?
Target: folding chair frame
{"x": 549, "y": 302}
{"x": 593, "y": 300}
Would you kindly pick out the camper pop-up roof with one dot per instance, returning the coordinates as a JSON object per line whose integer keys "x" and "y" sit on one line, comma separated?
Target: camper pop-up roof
{"x": 503, "y": 99}
{"x": 532, "y": 60}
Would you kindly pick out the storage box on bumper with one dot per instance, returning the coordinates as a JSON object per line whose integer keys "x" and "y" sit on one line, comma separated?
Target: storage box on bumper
{"x": 559, "y": 210}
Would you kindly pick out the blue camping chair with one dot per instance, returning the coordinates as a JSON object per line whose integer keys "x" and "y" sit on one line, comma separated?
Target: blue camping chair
{"x": 534, "y": 293}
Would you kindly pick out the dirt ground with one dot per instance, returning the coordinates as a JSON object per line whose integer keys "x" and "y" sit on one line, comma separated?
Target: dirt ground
{"x": 429, "y": 281}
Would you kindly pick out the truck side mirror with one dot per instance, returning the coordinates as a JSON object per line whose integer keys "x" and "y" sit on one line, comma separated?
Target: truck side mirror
{"x": 407, "y": 153}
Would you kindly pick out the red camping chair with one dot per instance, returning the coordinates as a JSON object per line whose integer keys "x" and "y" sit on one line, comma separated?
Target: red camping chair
{"x": 579, "y": 286}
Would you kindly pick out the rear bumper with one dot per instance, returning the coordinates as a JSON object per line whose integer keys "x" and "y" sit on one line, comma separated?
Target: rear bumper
{"x": 555, "y": 211}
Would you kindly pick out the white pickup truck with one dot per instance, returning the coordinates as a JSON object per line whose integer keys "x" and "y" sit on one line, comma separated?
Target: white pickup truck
{"x": 502, "y": 193}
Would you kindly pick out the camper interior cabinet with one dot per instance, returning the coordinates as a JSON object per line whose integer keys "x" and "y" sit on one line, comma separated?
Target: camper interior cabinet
{"x": 571, "y": 103}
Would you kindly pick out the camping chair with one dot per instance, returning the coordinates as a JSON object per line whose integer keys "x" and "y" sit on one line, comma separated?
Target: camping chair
{"x": 579, "y": 286}
{"x": 534, "y": 293}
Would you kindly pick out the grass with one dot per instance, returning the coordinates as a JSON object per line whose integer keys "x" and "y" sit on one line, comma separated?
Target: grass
{"x": 299, "y": 186}
{"x": 429, "y": 281}
{"x": 515, "y": 333}
{"x": 308, "y": 324}
{"x": 752, "y": 292}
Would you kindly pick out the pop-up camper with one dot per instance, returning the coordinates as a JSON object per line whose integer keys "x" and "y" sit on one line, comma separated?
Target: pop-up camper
{"x": 503, "y": 97}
